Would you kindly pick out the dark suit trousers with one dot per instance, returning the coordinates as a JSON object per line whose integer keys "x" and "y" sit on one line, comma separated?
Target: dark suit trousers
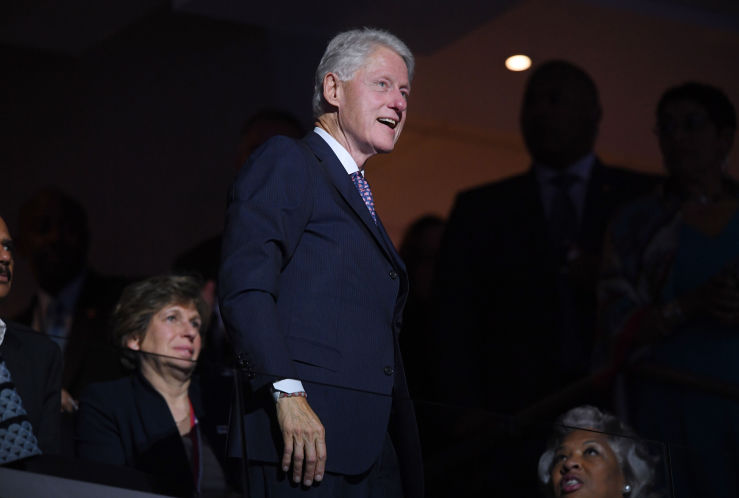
{"x": 382, "y": 480}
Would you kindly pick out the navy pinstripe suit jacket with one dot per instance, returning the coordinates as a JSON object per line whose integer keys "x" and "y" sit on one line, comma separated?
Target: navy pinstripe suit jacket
{"x": 312, "y": 289}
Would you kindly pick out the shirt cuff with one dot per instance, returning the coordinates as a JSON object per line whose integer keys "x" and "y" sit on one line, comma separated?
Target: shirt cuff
{"x": 287, "y": 386}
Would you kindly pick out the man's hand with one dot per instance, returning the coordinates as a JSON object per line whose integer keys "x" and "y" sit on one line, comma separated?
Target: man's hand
{"x": 305, "y": 440}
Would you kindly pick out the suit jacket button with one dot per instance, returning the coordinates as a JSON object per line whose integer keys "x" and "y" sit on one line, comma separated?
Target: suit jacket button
{"x": 393, "y": 274}
{"x": 388, "y": 370}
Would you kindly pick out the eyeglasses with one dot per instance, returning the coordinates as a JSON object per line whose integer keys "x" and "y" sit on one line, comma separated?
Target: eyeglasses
{"x": 689, "y": 124}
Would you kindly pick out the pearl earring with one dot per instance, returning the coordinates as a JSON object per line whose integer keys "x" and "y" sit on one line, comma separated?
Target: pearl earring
{"x": 627, "y": 489}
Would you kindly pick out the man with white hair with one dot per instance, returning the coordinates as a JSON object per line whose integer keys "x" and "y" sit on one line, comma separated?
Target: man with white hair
{"x": 312, "y": 290}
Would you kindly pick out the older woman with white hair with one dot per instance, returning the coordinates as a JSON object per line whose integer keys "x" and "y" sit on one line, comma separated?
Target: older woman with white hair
{"x": 594, "y": 454}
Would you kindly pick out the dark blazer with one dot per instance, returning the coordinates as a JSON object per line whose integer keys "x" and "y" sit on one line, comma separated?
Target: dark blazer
{"x": 127, "y": 422}
{"x": 499, "y": 289}
{"x": 35, "y": 363}
{"x": 312, "y": 289}
{"x": 89, "y": 355}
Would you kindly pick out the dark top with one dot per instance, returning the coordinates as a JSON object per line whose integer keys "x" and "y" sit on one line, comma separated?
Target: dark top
{"x": 127, "y": 422}
{"x": 35, "y": 363}
{"x": 506, "y": 302}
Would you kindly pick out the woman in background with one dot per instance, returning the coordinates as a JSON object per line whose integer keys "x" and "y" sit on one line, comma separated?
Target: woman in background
{"x": 669, "y": 294}
{"x": 150, "y": 420}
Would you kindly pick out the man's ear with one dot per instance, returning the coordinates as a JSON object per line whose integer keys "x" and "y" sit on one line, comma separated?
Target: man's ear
{"x": 331, "y": 89}
{"x": 134, "y": 342}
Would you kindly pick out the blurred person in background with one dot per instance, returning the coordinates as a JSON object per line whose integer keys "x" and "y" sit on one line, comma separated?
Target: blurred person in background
{"x": 515, "y": 284}
{"x": 263, "y": 125}
{"x": 72, "y": 304}
{"x": 669, "y": 294}
{"x": 520, "y": 257}
{"x": 419, "y": 250}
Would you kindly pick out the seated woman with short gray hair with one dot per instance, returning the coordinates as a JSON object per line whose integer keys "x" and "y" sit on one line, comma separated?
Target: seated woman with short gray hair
{"x": 593, "y": 453}
{"x": 152, "y": 420}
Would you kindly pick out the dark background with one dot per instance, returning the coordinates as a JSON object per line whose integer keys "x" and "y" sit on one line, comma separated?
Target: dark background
{"x": 134, "y": 107}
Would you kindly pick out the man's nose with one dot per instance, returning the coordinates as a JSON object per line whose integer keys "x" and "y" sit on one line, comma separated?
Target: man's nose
{"x": 399, "y": 101}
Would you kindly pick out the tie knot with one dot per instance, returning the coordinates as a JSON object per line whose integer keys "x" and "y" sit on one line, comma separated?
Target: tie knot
{"x": 564, "y": 181}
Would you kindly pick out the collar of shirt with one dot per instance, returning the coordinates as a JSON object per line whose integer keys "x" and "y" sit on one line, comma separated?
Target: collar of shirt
{"x": 2, "y": 331}
{"x": 350, "y": 165}
{"x": 582, "y": 168}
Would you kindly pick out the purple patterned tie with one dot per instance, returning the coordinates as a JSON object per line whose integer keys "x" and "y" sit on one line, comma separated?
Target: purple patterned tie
{"x": 364, "y": 190}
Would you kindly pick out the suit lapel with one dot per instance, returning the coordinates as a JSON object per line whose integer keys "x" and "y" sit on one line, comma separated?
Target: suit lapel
{"x": 10, "y": 348}
{"x": 390, "y": 247}
{"x": 343, "y": 183}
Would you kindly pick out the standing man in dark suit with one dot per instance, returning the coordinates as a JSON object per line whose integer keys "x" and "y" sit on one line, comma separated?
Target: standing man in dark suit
{"x": 520, "y": 257}
{"x": 515, "y": 284}
{"x": 30, "y": 379}
{"x": 312, "y": 290}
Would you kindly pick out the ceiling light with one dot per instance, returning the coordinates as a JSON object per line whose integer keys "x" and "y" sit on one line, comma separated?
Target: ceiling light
{"x": 518, "y": 63}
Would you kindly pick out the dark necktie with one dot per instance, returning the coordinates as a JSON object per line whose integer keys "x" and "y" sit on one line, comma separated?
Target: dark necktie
{"x": 364, "y": 190}
{"x": 564, "y": 226}
{"x": 16, "y": 435}
{"x": 563, "y": 223}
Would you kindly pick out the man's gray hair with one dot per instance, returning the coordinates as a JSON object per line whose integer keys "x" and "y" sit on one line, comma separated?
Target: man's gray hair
{"x": 636, "y": 463}
{"x": 346, "y": 53}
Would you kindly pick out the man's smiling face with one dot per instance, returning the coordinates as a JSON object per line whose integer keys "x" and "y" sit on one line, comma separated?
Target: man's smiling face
{"x": 372, "y": 105}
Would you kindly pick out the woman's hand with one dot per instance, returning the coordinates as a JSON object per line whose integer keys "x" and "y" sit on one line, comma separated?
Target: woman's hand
{"x": 69, "y": 404}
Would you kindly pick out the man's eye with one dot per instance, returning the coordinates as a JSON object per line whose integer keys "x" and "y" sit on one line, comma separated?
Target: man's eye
{"x": 382, "y": 84}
